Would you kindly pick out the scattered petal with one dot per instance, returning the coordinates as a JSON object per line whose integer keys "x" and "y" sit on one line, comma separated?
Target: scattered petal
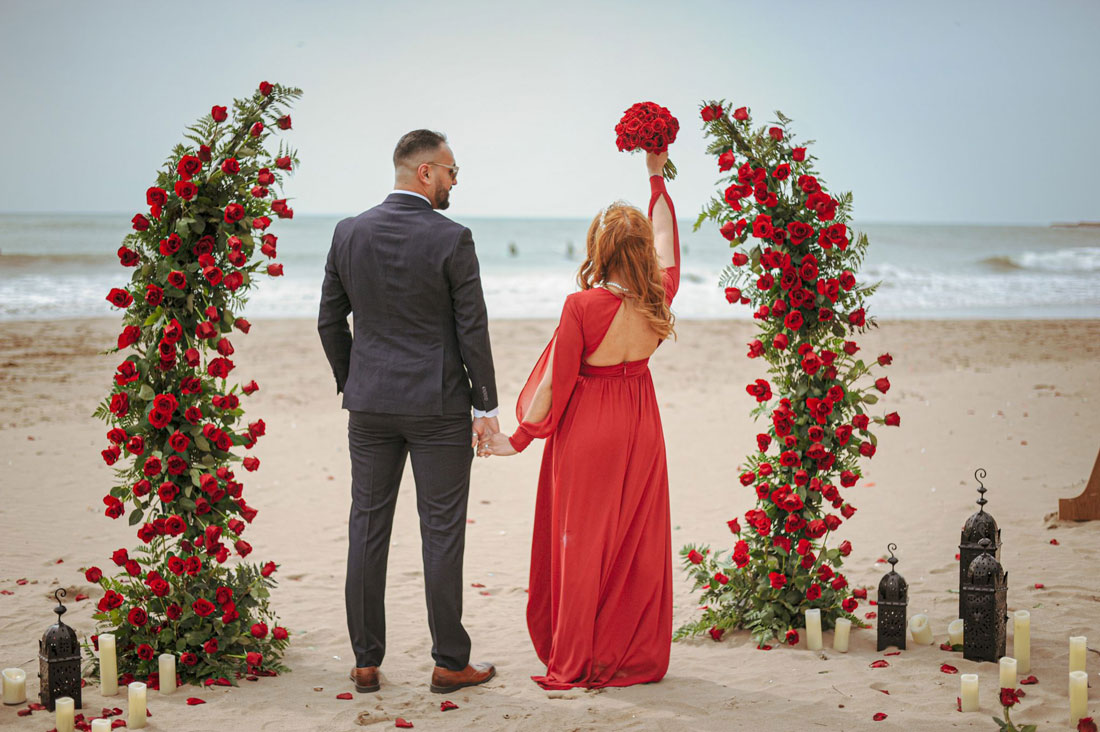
{"x": 403, "y": 723}
{"x": 958, "y": 704}
{"x": 1054, "y": 542}
{"x": 872, "y": 602}
{"x": 1029, "y": 680}
{"x": 35, "y": 706}
{"x": 884, "y": 691}
{"x": 1021, "y": 693}
{"x": 763, "y": 648}
{"x": 485, "y": 592}
{"x": 24, "y": 712}
{"x": 346, "y": 695}
{"x": 6, "y": 592}
{"x": 1039, "y": 585}
{"x": 192, "y": 701}
{"x": 476, "y": 584}
{"x": 879, "y": 717}
{"x": 892, "y": 653}
{"x": 871, "y": 615}
{"x": 21, "y": 581}
{"x": 948, "y": 669}
{"x": 250, "y": 677}
{"x": 880, "y": 664}
{"x": 946, "y": 647}
{"x": 956, "y": 557}
{"x": 80, "y": 596}
{"x": 447, "y": 706}
{"x": 59, "y": 561}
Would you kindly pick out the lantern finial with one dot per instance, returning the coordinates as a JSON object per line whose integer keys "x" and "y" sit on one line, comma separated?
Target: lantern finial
{"x": 892, "y": 547}
{"x": 60, "y": 609}
{"x": 978, "y": 475}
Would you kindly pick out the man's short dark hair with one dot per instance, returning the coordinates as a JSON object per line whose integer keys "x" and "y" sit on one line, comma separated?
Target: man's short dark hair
{"x": 415, "y": 142}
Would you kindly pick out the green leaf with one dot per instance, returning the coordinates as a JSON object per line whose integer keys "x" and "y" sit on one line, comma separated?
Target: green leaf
{"x": 187, "y": 504}
{"x": 146, "y": 393}
{"x": 870, "y": 399}
{"x": 154, "y": 316}
{"x": 136, "y": 515}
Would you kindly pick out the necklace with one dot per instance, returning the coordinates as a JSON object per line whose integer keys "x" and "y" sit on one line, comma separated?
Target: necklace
{"x": 605, "y": 283}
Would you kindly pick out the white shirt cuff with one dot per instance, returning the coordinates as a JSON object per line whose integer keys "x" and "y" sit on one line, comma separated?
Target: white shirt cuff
{"x": 491, "y": 413}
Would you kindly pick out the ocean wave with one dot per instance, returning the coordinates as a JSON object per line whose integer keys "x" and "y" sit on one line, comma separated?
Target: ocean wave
{"x": 1079, "y": 259}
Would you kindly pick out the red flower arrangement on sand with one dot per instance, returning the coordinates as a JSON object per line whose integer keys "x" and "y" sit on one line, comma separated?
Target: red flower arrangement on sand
{"x": 794, "y": 264}
{"x": 650, "y": 127}
{"x": 174, "y": 417}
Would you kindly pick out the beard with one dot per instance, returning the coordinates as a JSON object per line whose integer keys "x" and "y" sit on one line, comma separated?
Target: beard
{"x": 443, "y": 200}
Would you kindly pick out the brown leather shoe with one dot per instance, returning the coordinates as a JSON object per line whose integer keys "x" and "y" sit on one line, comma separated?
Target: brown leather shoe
{"x": 445, "y": 681}
{"x": 365, "y": 678}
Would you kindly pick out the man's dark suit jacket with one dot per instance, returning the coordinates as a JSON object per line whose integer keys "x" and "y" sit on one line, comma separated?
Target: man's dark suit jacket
{"x": 409, "y": 276}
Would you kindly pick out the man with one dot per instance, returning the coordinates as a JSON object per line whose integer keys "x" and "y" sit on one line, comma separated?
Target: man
{"x": 419, "y": 360}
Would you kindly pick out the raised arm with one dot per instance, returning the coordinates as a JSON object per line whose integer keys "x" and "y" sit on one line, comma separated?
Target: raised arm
{"x": 662, "y": 214}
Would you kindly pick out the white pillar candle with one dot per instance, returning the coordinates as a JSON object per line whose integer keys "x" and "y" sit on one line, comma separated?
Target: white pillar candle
{"x": 108, "y": 665}
{"x": 955, "y": 632}
{"x": 15, "y": 686}
{"x": 1078, "y": 696}
{"x": 969, "y": 693}
{"x": 920, "y": 629}
{"x": 101, "y": 725}
{"x": 136, "y": 718}
{"x": 813, "y": 629}
{"x": 1021, "y": 641}
{"x": 167, "y": 671}
{"x": 840, "y": 634}
{"x": 1077, "y": 653}
{"x": 64, "y": 707}
{"x": 1008, "y": 672}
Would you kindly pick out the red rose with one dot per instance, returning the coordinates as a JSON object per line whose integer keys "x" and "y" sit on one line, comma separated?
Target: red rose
{"x": 203, "y": 608}
{"x": 136, "y": 445}
{"x": 230, "y": 166}
{"x": 857, "y": 317}
{"x": 711, "y": 112}
{"x": 188, "y": 166}
{"x": 218, "y": 113}
{"x": 145, "y": 652}
{"x": 849, "y": 604}
{"x": 695, "y": 557}
{"x": 266, "y": 88}
{"x": 223, "y": 594}
{"x": 243, "y": 547}
{"x": 893, "y": 419}
{"x": 259, "y": 630}
{"x": 132, "y": 568}
{"x": 93, "y": 574}
{"x": 866, "y": 449}
{"x": 283, "y": 163}
{"x": 265, "y": 177}
{"x": 186, "y": 190}
{"x": 845, "y": 547}
{"x": 268, "y": 569}
{"x": 211, "y": 646}
{"x": 137, "y": 617}
{"x": 254, "y": 659}
{"x": 726, "y": 161}
{"x": 177, "y": 279}
{"x": 885, "y": 359}
{"x": 139, "y": 222}
{"x": 778, "y": 580}
{"x": 188, "y": 659}
{"x": 251, "y": 464}
{"x": 261, "y": 222}
{"x": 275, "y": 270}
{"x": 234, "y": 212}
{"x": 256, "y": 130}
{"x": 1009, "y": 697}
{"x": 213, "y": 275}
{"x": 119, "y": 298}
{"x": 760, "y": 389}
{"x": 813, "y": 592}
{"x": 204, "y": 153}
{"x": 279, "y": 633}
{"x": 741, "y": 114}
{"x": 798, "y": 154}
{"x": 793, "y": 320}
{"x": 219, "y": 367}
{"x": 283, "y": 122}
{"x": 882, "y": 384}
{"x": 775, "y": 133}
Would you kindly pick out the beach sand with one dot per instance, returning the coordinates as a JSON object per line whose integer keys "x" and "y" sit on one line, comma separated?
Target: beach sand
{"x": 1017, "y": 398}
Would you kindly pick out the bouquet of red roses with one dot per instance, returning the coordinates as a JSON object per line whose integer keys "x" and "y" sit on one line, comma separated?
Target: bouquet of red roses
{"x": 650, "y": 127}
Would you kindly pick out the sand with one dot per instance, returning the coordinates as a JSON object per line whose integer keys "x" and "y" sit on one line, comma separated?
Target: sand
{"x": 1017, "y": 398}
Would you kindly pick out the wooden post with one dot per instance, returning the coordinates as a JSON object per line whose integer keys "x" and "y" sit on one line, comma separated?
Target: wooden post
{"x": 1085, "y": 507}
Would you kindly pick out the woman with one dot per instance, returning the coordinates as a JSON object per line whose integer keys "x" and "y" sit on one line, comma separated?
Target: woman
{"x": 600, "y": 605}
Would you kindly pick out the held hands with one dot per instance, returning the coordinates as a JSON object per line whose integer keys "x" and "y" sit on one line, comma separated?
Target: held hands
{"x": 497, "y": 444}
{"x": 655, "y": 163}
{"x": 483, "y": 428}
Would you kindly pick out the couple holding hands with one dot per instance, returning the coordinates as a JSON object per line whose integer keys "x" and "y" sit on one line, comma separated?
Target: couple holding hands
{"x": 599, "y": 609}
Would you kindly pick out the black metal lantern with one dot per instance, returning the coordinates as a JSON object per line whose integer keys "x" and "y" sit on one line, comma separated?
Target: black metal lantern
{"x": 979, "y": 526}
{"x": 984, "y": 602}
{"x": 893, "y": 600}
{"x": 59, "y": 661}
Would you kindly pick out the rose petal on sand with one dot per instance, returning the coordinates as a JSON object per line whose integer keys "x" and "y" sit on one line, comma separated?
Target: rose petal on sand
{"x": 403, "y": 723}
{"x": 945, "y": 647}
{"x": 80, "y": 596}
{"x": 1039, "y": 585}
{"x": 22, "y": 581}
{"x": 763, "y": 648}
{"x": 6, "y": 592}
{"x": 345, "y": 695}
{"x": 879, "y": 717}
{"x": 476, "y": 584}
{"x": 892, "y": 653}
{"x": 1054, "y": 542}
{"x": 447, "y": 706}
{"x": 192, "y": 701}
{"x": 884, "y": 691}
{"x": 1029, "y": 680}
{"x": 871, "y": 615}
{"x": 948, "y": 669}
{"x": 880, "y": 664}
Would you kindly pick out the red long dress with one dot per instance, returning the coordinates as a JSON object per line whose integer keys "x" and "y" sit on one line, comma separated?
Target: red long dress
{"x": 600, "y": 606}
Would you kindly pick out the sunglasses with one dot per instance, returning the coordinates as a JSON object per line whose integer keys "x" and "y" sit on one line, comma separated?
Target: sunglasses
{"x": 452, "y": 168}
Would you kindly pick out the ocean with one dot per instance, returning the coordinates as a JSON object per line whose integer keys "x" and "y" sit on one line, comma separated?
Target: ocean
{"x": 56, "y": 266}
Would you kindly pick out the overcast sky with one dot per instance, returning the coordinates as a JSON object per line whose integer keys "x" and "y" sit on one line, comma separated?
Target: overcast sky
{"x": 927, "y": 111}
